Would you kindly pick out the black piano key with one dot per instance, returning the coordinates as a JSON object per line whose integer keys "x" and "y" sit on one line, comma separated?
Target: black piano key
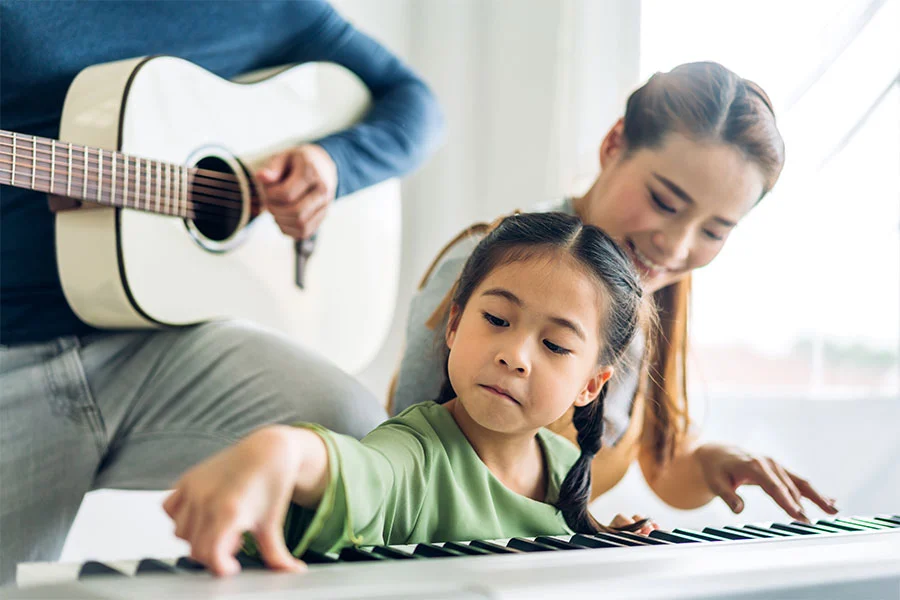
{"x": 854, "y": 521}
{"x": 557, "y": 543}
{"x": 841, "y": 526}
{"x": 616, "y": 538}
{"x": 388, "y": 552}
{"x": 749, "y": 532}
{"x": 668, "y": 536}
{"x": 529, "y": 546}
{"x": 636, "y": 537}
{"x": 351, "y": 554}
{"x": 189, "y": 564}
{"x": 792, "y": 529}
{"x": 769, "y": 530}
{"x": 249, "y": 563}
{"x": 467, "y": 549}
{"x": 874, "y": 522}
{"x": 592, "y": 542}
{"x": 892, "y": 520}
{"x": 151, "y": 565}
{"x": 724, "y": 533}
{"x": 93, "y": 568}
{"x": 312, "y": 557}
{"x": 492, "y": 547}
{"x": 433, "y": 551}
{"x": 815, "y": 527}
{"x": 703, "y": 537}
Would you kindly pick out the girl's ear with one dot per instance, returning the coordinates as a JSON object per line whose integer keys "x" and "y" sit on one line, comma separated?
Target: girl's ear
{"x": 613, "y": 145}
{"x": 593, "y": 386}
{"x": 452, "y": 325}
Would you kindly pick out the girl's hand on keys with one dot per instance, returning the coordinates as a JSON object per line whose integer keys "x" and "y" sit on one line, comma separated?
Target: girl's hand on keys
{"x": 247, "y": 487}
{"x": 636, "y": 524}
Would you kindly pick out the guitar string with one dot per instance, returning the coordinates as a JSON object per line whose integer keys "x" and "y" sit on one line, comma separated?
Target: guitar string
{"x": 225, "y": 181}
{"x": 195, "y": 192}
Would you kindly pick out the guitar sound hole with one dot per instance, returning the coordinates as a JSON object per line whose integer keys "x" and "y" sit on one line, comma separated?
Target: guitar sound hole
{"x": 217, "y": 202}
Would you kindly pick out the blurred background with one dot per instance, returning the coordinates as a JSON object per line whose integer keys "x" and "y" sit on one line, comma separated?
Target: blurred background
{"x": 795, "y": 327}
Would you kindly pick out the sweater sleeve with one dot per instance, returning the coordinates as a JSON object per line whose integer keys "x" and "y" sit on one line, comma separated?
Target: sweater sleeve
{"x": 404, "y": 124}
{"x": 375, "y": 490}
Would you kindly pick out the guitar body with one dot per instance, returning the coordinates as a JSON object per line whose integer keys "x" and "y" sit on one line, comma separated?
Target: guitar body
{"x": 124, "y": 269}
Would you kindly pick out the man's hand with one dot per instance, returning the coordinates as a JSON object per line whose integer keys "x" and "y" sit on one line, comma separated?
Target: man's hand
{"x": 299, "y": 185}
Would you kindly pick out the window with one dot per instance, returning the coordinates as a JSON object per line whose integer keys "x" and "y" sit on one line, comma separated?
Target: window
{"x": 804, "y": 301}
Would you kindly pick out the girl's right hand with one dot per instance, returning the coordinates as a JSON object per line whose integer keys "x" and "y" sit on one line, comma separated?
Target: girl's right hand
{"x": 247, "y": 487}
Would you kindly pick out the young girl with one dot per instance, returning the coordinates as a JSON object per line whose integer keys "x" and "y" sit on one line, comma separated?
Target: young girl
{"x": 540, "y": 317}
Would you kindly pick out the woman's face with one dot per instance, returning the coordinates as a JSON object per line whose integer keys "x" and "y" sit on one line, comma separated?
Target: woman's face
{"x": 672, "y": 207}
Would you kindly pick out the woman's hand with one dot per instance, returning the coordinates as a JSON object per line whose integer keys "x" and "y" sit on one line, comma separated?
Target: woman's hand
{"x": 247, "y": 487}
{"x": 620, "y": 521}
{"x": 726, "y": 468}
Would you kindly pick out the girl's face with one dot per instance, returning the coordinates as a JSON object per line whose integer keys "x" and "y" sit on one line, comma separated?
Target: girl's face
{"x": 671, "y": 207}
{"x": 525, "y": 348}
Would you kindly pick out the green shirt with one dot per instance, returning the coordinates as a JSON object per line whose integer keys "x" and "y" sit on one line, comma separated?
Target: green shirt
{"x": 415, "y": 478}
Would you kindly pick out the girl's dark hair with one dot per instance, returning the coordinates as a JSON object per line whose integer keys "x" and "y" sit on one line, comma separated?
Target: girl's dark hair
{"x": 703, "y": 101}
{"x": 523, "y": 236}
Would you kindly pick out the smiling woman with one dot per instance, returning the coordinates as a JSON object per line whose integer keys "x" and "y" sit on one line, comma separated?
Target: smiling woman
{"x": 696, "y": 149}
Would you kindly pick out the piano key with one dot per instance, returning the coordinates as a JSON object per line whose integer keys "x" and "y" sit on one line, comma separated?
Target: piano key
{"x": 841, "y": 526}
{"x": 816, "y": 527}
{"x": 852, "y": 521}
{"x": 434, "y": 551}
{"x": 189, "y": 564}
{"x": 394, "y": 553}
{"x": 557, "y": 543}
{"x": 643, "y": 539}
{"x": 659, "y": 534}
{"x": 249, "y": 563}
{"x": 792, "y": 529}
{"x": 769, "y": 530}
{"x": 749, "y": 532}
{"x": 617, "y": 538}
{"x": 352, "y": 554}
{"x": 874, "y": 522}
{"x": 893, "y": 520}
{"x": 467, "y": 549}
{"x": 723, "y": 533}
{"x": 152, "y": 565}
{"x": 592, "y": 542}
{"x": 492, "y": 547}
{"x": 528, "y": 546}
{"x": 93, "y": 568}
{"x": 317, "y": 558}
{"x": 702, "y": 537}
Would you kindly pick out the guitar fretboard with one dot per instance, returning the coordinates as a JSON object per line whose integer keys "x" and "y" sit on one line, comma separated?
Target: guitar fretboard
{"x": 112, "y": 178}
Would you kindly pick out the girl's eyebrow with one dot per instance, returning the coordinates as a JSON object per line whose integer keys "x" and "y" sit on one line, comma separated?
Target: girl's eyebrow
{"x": 508, "y": 295}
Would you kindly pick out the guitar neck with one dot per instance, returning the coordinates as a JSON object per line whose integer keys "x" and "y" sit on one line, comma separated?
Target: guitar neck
{"x": 95, "y": 175}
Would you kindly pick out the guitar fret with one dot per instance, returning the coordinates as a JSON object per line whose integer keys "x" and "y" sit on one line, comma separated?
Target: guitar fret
{"x": 12, "y": 176}
{"x": 52, "y": 163}
{"x": 158, "y": 183}
{"x": 69, "y": 178}
{"x": 176, "y": 192}
{"x": 99, "y": 173}
{"x": 168, "y": 186}
{"x": 112, "y": 191}
{"x": 84, "y": 176}
{"x": 137, "y": 183}
{"x": 125, "y": 183}
{"x": 184, "y": 187}
{"x": 149, "y": 185}
{"x": 33, "y": 159}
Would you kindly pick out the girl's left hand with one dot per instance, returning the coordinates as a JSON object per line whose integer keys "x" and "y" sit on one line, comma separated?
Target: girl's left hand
{"x": 726, "y": 468}
{"x": 621, "y": 520}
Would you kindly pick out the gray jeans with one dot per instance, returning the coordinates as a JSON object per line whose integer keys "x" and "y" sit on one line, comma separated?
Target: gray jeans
{"x": 135, "y": 410}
